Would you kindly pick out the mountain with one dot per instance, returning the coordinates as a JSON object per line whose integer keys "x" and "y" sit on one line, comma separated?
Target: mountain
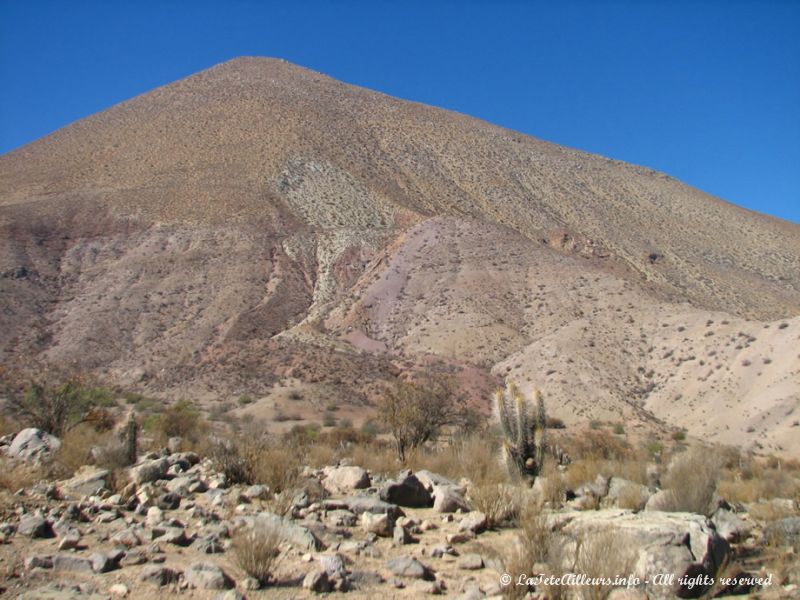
{"x": 262, "y": 229}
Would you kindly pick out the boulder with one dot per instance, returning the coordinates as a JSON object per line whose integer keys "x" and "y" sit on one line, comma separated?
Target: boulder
{"x": 87, "y": 481}
{"x": 339, "y": 480}
{"x": 408, "y": 566}
{"x": 38, "y": 561}
{"x": 407, "y": 491}
{"x": 362, "y": 504}
{"x": 33, "y": 444}
{"x": 448, "y": 498}
{"x": 429, "y": 480}
{"x": 207, "y": 576}
{"x": 34, "y": 526}
{"x": 474, "y": 522}
{"x": 470, "y": 562}
{"x": 730, "y": 525}
{"x": 631, "y": 494}
{"x": 297, "y": 535}
{"x": 682, "y": 544}
{"x": 149, "y": 471}
{"x": 158, "y": 575}
{"x": 380, "y": 524}
{"x": 318, "y": 582}
{"x": 662, "y": 500}
{"x": 784, "y": 532}
{"x": 70, "y": 562}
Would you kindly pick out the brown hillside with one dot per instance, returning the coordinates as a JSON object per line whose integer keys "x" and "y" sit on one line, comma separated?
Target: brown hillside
{"x": 259, "y": 227}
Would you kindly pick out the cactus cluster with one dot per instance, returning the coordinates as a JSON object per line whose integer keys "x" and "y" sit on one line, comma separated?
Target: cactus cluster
{"x": 523, "y": 428}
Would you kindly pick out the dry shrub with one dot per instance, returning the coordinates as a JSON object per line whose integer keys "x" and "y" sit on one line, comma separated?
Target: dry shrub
{"x": 470, "y": 457}
{"x": 598, "y": 444}
{"x": 8, "y": 426}
{"x": 755, "y": 482}
{"x": 631, "y": 497}
{"x": 534, "y": 548}
{"x": 691, "y": 479}
{"x": 246, "y": 461}
{"x": 553, "y": 486}
{"x": 602, "y": 556}
{"x": 586, "y": 470}
{"x": 769, "y": 511}
{"x": 256, "y": 551}
{"x": 182, "y": 419}
{"x": 378, "y": 458}
{"x": 495, "y": 497}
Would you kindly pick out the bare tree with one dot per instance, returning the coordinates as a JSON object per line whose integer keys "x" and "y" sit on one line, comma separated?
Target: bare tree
{"x": 415, "y": 412}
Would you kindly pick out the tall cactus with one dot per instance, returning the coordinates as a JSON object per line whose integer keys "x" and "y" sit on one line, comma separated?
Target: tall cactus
{"x": 131, "y": 439}
{"x": 523, "y": 431}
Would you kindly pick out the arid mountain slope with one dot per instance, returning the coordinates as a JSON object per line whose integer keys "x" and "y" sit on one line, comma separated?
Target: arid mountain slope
{"x": 259, "y": 225}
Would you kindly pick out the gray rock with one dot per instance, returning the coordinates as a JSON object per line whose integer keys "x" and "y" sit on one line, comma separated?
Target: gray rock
{"x": 661, "y": 542}
{"x": 102, "y": 563}
{"x": 318, "y": 581}
{"x": 365, "y": 578}
{"x": 207, "y": 576}
{"x": 784, "y": 532}
{"x": 70, "y": 562}
{"x": 33, "y": 444}
{"x": 429, "y": 480}
{"x": 132, "y": 558}
{"x": 474, "y": 522}
{"x": 635, "y": 495}
{"x": 470, "y": 562}
{"x": 230, "y": 595}
{"x": 159, "y": 575}
{"x": 39, "y": 561}
{"x": 401, "y": 536}
{"x": 333, "y": 564}
{"x": 379, "y": 524}
{"x": 69, "y": 540}
{"x": 730, "y": 526}
{"x": 130, "y": 537}
{"x": 362, "y": 504}
{"x": 298, "y": 536}
{"x": 256, "y": 492}
{"x": 341, "y": 518}
{"x": 407, "y": 566}
{"x": 209, "y": 544}
{"x": 448, "y": 499}
{"x": 87, "y": 481}
{"x": 34, "y": 526}
{"x": 407, "y": 491}
{"x": 662, "y": 500}
{"x": 149, "y": 470}
{"x": 171, "y": 535}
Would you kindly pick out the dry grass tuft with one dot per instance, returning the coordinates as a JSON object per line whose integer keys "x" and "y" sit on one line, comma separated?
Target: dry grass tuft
{"x": 16, "y": 475}
{"x": 533, "y": 550}
{"x": 256, "y": 551}
{"x": 603, "y": 556}
{"x": 499, "y": 501}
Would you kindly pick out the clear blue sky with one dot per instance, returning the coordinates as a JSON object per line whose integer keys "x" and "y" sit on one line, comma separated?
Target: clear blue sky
{"x": 708, "y": 92}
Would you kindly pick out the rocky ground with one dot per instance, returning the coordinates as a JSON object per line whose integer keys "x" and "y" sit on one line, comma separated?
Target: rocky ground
{"x": 168, "y": 525}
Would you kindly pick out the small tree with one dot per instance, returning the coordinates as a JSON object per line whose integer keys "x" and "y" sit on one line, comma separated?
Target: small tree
{"x": 56, "y": 403}
{"x": 523, "y": 431}
{"x": 415, "y": 412}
